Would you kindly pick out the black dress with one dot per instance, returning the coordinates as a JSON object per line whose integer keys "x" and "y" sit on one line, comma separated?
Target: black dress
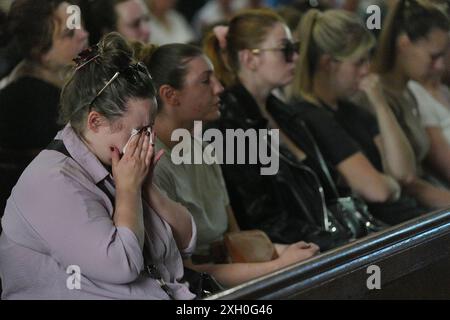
{"x": 28, "y": 122}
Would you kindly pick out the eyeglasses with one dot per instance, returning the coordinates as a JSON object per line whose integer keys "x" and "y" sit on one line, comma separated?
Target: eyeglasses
{"x": 289, "y": 50}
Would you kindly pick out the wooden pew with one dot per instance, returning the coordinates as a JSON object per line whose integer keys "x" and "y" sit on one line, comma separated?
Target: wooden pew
{"x": 414, "y": 262}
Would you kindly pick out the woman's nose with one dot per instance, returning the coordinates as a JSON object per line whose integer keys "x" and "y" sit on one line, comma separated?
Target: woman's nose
{"x": 439, "y": 64}
{"x": 145, "y": 31}
{"x": 364, "y": 70}
{"x": 83, "y": 34}
{"x": 295, "y": 56}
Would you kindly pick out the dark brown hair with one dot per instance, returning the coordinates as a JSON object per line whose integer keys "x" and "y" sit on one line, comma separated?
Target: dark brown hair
{"x": 415, "y": 18}
{"x": 32, "y": 24}
{"x": 168, "y": 63}
{"x": 113, "y": 55}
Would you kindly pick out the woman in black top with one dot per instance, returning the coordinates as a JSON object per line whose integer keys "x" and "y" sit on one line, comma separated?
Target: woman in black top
{"x": 371, "y": 156}
{"x": 287, "y": 205}
{"x": 29, "y": 96}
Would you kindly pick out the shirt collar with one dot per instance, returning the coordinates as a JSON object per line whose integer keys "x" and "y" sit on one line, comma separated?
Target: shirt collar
{"x": 82, "y": 155}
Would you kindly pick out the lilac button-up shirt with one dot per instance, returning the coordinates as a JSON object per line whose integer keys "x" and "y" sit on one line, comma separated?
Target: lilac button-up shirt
{"x": 58, "y": 220}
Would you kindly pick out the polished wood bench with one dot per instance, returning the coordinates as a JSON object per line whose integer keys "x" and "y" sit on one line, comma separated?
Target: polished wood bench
{"x": 414, "y": 262}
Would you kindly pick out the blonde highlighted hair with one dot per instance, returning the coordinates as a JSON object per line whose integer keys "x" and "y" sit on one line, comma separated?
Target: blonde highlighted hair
{"x": 339, "y": 33}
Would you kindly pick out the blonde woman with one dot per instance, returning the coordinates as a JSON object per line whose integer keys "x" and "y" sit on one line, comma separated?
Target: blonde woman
{"x": 370, "y": 154}
{"x": 252, "y": 57}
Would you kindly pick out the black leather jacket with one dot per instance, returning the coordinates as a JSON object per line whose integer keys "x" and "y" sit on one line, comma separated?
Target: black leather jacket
{"x": 287, "y": 205}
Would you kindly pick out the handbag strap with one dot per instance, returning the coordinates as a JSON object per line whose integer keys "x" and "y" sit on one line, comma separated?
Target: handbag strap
{"x": 150, "y": 268}
{"x": 324, "y": 218}
{"x": 320, "y": 158}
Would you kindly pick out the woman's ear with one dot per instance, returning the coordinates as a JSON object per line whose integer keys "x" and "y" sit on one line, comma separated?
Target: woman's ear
{"x": 325, "y": 62}
{"x": 94, "y": 121}
{"x": 403, "y": 42}
{"x": 169, "y": 95}
{"x": 248, "y": 59}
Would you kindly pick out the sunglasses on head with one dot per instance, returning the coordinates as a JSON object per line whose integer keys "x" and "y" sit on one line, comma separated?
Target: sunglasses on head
{"x": 289, "y": 50}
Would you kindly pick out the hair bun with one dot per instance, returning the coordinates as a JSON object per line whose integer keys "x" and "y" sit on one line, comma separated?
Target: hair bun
{"x": 143, "y": 51}
{"x": 114, "y": 51}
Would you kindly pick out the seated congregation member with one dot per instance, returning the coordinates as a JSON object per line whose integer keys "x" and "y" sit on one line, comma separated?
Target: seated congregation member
{"x": 433, "y": 101}
{"x": 30, "y": 97}
{"x": 87, "y": 203}
{"x": 167, "y": 24}
{"x": 369, "y": 153}
{"x": 133, "y": 19}
{"x": 128, "y": 17}
{"x": 188, "y": 91}
{"x": 215, "y": 11}
{"x": 252, "y": 57}
{"x": 411, "y": 45}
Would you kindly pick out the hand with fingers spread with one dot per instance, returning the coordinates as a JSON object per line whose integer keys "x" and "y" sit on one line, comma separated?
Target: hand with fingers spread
{"x": 130, "y": 171}
{"x": 129, "y": 174}
{"x": 153, "y": 161}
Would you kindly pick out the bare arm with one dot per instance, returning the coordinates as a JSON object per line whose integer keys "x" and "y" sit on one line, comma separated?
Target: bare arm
{"x": 177, "y": 216}
{"x": 396, "y": 152}
{"x": 233, "y": 274}
{"x": 439, "y": 155}
{"x": 366, "y": 181}
{"x": 427, "y": 194}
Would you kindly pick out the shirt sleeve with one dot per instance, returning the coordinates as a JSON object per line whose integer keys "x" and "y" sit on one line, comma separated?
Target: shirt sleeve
{"x": 370, "y": 121}
{"x": 335, "y": 143}
{"x": 189, "y": 250}
{"x": 426, "y": 104}
{"x": 222, "y": 185}
{"x": 164, "y": 182}
{"x": 162, "y": 179}
{"x": 78, "y": 230}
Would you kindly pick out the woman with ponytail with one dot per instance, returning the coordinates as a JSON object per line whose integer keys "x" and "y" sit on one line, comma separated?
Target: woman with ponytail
{"x": 188, "y": 91}
{"x": 412, "y": 45}
{"x": 370, "y": 155}
{"x": 254, "y": 55}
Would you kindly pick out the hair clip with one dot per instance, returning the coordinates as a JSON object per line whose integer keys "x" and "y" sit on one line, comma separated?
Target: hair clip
{"x": 86, "y": 56}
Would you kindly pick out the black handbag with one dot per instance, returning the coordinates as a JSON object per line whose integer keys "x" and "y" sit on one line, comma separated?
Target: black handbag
{"x": 351, "y": 211}
{"x": 326, "y": 230}
{"x": 201, "y": 284}
{"x": 327, "y": 221}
